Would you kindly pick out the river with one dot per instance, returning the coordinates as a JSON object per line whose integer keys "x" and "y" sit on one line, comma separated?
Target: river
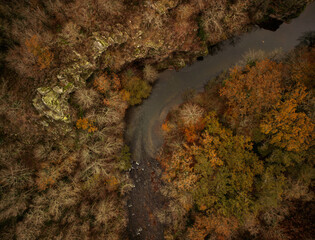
{"x": 144, "y": 121}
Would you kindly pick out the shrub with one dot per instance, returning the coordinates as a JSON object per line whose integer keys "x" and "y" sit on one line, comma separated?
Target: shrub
{"x": 150, "y": 74}
{"x": 137, "y": 88}
{"x": 86, "y": 98}
{"x": 252, "y": 56}
{"x": 124, "y": 158}
{"x": 105, "y": 211}
{"x": 190, "y": 114}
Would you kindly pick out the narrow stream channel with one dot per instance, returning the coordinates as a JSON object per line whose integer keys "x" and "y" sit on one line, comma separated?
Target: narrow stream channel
{"x": 144, "y": 121}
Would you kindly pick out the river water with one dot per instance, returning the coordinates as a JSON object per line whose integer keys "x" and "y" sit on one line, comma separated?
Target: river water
{"x": 144, "y": 121}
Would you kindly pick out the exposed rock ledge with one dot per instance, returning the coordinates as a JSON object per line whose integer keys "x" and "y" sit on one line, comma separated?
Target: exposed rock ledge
{"x": 52, "y": 101}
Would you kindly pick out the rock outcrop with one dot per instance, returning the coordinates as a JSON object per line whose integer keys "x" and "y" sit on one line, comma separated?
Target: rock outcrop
{"x": 52, "y": 101}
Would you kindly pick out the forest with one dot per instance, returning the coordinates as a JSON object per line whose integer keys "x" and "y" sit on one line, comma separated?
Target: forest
{"x": 239, "y": 156}
{"x": 70, "y": 69}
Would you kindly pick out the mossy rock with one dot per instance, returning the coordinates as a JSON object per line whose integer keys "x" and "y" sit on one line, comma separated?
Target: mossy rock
{"x": 77, "y": 73}
{"x": 101, "y": 43}
{"x": 179, "y": 63}
{"x": 51, "y": 103}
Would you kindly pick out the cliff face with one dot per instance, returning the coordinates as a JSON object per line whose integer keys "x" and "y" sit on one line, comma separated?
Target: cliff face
{"x": 69, "y": 70}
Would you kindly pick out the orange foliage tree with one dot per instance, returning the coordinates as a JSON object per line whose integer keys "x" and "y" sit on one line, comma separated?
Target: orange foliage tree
{"x": 47, "y": 175}
{"x": 43, "y": 182}
{"x": 192, "y": 131}
{"x": 111, "y": 183}
{"x": 179, "y": 169}
{"x": 107, "y": 82}
{"x": 253, "y": 90}
{"x": 102, "y": 83}
{"x": 165, "y": 127}
{"x": 85, "y": 124}
{"x": 50, "y": 172}
{"x": 217, "y": 225}
{"x": 42, "y": 54}
{"x": 288, "y": 128}
{"x": 200, "y": 229}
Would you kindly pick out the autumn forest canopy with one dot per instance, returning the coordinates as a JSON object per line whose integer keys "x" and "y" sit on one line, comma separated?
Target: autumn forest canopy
{"x": 236, "y": 160}
{"x": 239, "y": 167}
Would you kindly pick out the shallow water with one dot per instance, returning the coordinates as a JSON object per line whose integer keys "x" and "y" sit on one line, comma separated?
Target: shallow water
{"x": 144, "y": 121}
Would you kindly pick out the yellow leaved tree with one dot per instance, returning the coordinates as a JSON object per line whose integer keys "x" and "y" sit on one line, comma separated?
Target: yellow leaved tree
{"x": 287, "y": 127}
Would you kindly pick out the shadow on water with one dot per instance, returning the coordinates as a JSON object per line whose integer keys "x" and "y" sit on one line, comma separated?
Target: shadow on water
{"x": 144, "y": 121}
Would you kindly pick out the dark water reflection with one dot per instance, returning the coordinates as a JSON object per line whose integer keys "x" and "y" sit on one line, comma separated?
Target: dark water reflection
{"x": 144, "y": 121}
